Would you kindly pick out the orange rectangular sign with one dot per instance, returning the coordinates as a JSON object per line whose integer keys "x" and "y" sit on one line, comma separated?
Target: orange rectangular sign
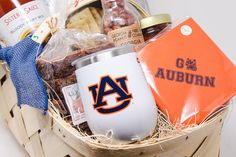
{"x": 189, "y": 75}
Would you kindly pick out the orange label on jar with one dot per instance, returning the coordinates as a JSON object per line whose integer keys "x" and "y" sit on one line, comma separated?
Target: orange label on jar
{"x": 126, "y": 35}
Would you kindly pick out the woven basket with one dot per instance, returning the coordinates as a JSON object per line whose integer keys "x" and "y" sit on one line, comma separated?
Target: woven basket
{"x": 51, "y": 136}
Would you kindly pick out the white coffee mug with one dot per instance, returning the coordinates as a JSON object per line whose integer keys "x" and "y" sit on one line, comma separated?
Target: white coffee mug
{"x": 115, "y": 95}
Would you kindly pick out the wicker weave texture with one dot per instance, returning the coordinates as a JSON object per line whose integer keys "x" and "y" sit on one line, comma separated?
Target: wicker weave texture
{"x": 51, "y": 136}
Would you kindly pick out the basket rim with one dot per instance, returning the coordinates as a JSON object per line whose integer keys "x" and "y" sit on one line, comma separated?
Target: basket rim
{"x": 218, "y": 117}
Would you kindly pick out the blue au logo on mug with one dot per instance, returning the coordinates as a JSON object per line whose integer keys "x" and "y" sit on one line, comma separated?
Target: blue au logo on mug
{"x": 118, "y": 86}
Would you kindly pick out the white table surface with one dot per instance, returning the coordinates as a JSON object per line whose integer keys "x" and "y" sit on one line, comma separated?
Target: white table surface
{"x": 8, "y": 146}
{"x": 218, "y": 18}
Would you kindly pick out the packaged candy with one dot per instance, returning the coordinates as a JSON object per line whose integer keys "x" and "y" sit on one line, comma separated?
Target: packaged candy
{"x": 74, "y": 103}
{"x": 189, "y": 75}
{"x": 121, "y": 26}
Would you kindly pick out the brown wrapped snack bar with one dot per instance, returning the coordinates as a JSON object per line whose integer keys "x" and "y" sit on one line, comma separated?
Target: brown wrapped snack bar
{"x": 58, "y": 84}
{"x": 62, "y": 68}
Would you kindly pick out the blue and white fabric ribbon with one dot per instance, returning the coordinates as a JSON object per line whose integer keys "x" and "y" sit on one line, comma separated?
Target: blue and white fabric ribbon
{"x": 29, "y": 86}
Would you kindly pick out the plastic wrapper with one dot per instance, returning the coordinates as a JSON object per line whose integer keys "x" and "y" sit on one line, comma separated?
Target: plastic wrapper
{"x": 58, "y": 10}
{"x": 2, "y": 42}
{"x": 190, "y": 79}
{"x": 54, "y": 66}
{"x": 121, "y": 25}
{"x": 116, "y": 17}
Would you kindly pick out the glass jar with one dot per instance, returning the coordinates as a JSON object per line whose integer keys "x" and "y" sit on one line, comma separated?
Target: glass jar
{"x": 121, "y": 26}
{"x": 140, "y": 8}
{"x": 153, "y": 25}
{"x": 9, "y": 5}
{"x": 19, "y": 18}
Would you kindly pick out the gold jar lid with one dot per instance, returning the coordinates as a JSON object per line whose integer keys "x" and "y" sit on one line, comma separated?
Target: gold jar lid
{"x": 155, "y": 20}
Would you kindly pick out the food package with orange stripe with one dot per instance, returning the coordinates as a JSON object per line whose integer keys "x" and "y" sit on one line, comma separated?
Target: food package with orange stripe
{"x": 189, "y": 75}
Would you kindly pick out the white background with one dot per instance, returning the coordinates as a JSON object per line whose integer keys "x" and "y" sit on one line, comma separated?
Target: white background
{"x": 217, "y": 18}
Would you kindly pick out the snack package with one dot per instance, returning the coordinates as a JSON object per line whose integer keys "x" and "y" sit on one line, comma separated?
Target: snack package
{"x": 189, "y": 75}
{"x": 120, "y": 25}
{"x": 54, "y": 66}
{"x": 74, "y": 103}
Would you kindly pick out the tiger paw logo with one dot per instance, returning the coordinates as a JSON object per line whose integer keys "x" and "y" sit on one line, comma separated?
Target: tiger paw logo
{"x": 108, "y": 87}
